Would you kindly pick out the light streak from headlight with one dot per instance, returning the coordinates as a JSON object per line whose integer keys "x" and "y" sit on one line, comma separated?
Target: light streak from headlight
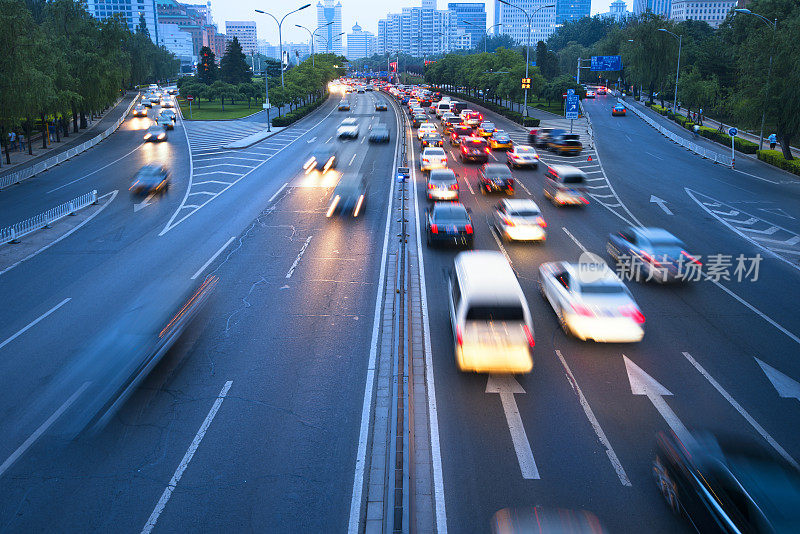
{"x": 333, "y": 206}
{"x": 358, "y": 206}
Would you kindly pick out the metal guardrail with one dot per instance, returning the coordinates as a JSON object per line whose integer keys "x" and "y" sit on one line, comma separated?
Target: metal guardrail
{"x": 589, "y": 127}
{"x": 13, "y": 233}
{"x": 28, "y": 172}
{"x": 706, "y": 153}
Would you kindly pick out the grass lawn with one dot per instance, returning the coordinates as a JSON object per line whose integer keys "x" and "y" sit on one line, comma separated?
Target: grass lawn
{"x": 212, "y": 111}
{"x": 554, "y": 107}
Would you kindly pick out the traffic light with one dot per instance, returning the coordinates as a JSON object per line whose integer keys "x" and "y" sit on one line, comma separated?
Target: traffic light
{"x": 526, "y": 83}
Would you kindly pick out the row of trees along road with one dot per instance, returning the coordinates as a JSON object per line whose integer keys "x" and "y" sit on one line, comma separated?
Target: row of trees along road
{"x": 60, "y": 64}
{"x": 233, "y": 80}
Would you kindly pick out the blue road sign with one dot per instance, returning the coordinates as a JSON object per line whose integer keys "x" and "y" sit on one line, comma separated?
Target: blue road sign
{"x": 733, "y": 131}
{"x": 570, "y": 92}
{"x": 606, "y": 63}
{"x": 572, "y": 110}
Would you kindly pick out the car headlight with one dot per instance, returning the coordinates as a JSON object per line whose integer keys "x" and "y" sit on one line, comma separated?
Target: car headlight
{"x": 147, "y": 136}
{"x": 161, "y": 136}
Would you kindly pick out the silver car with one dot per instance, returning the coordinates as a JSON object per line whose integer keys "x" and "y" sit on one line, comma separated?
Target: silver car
{"x": 519, "y": 219}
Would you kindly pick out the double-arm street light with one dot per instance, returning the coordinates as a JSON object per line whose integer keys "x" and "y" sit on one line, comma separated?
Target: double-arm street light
{"x": 774, "y": 25}
{"x": 280, "y": 23}
{"x": 678, "y": 70}
{"x": 312, "y": 34}
{"x": 329, "y": 44}
{"x": 528, "y": 47}
{"x": 486, "y": 32}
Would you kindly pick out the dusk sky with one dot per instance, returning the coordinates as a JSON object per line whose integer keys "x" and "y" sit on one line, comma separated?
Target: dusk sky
{"x": 365, "y": 12}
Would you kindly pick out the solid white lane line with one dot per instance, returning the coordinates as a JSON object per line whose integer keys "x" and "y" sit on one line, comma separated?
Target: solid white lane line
{"x": 469, "y": 186}
{"x": 34, "y": 322}
{"x": 212, "y": 258}
{"x": 278, "y": 192}
{"x": 500, "y": 244}
{"x": 758, "y": 428}
{"x": 598, "y": 430}
{"x": 369, "y": 386}
{"x": 523, "y": 187}
{"x": 95, "y": 171}
{"x": 352, "y": 160}
{"x": 575, "y": 239}
{"x": 41, "y": 430}
{"x": 162, "y": 502}
{"x": 297, "y": 259}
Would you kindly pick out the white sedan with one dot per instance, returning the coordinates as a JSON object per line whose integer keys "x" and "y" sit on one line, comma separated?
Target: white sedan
{"x": 591, "y": 301}
{"x": 348, "y": 128}
{"x": 426, "y": 127}
{"x": 522, "y": 156}
{"x": 519, "y": 219}
{"x": 433, "y": 157}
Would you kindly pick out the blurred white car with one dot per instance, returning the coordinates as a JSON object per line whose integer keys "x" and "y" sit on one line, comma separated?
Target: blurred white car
{"x": 433, "y": 157}
{"x": 426, "y": 127}
{"x": 522, "y": 156}
{"x": 591, "y": 301}
{"x": 348, "y": 128}
{"x": 519, "y": 219}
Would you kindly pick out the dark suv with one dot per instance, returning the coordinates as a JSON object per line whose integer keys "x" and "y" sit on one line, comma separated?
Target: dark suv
{"x": 495, "y": 177}
{"x": 474, "y": 149}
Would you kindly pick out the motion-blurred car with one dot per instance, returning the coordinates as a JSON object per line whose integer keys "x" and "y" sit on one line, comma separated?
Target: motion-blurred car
{"x": 655, "y": 253}
{"x": 442, "y": 184}
{"x": 167, "y": 103}
{"x": 601, "y": 91}
{"x": 500, "y": 140}
{"x": 165, "y": 122}
{"x": 426, "y": 127}
{"x": 591, "y": 302}
{"x": 474, "y": 149}
{"x": 322, "y": 159}
{"x": 449, "y": 223}
{"x": 418, "y": 119}
{"x": 380, "y": 106}
{"x": 538, "y": 520}
{"x": 155, "y": 99}
{"x": 379, "y": 134}
{"x": 151, "y": 178}
{"x": 146, "y": 102}
{"x": 471, "y": 118}
{"x": 458, "y": 133}
{"x": 518, "y": 219}
{"x": 432, "y": 158}
{"x": 344, "y": 105}
{"x": 489, "y": 315}
{"x": 155, "y": 133}
{"x": 348, "y": 128}
{"x": 349, "y": 195}
{"x": 522, "y": 156}
{"x": 449, "y": 123}
{"x": 486, "y": 128}
{"x": 565, "y": 185}
{"x": 169, "y": 113}
{"x": 722, "y": 484}
{"x": 139, "y": 111}
{"x": 589, "y": 93}
{"x": 619, "y": 111}
{"x": 431, "y": 139}
{"x": 495, "y": 177}
{"x": 565, "y": 144}
{"x": 542, "y": 136}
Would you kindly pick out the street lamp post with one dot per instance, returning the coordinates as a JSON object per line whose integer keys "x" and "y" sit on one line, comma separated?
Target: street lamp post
{"x": 280, "y": 23}
{"x": 311, "y": 35}
{"x": 528, "y": 47}
{"x": 486, "y": 33}
{"x": 678, "y": 70}
{"x": 774, "y": 25}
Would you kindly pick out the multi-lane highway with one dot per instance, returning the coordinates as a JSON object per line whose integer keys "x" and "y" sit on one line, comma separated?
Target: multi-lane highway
{"x": 255, "y": 419}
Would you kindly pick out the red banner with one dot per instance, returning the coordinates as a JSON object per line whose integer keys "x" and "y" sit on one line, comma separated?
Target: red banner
{"x": 393, "y": 66}
{"x": 427, "y": 61}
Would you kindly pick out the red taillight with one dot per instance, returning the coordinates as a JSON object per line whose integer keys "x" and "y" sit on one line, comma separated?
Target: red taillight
{"x": 431, "y": 186}
{"x": 468, "y": 228}
{"x": 454, "y": 187}
{"x": 529, "y": 336}
{"x": 487, "y": 150}
{"x": 508, "y": 222}
{"x": 650, "y": 259}
{"x": 541, "y": 222}
{"x": 459, "y": 337}
{"x": 691, "y": 258}
{"x": 582, "y": 310}
{"x": 583, "y": 199}
{"x": 633, "y": 313}
{"x": 434, "y": 228}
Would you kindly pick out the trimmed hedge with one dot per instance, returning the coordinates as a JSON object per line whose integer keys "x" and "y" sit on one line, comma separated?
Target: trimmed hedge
{"x": 299, "y": 113}
{"x": 775, "y": 157}
{"x": 500, "y": 110}
{"x": 742, "y": 145}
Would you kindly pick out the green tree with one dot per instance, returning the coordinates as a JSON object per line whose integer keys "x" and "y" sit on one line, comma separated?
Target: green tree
{"x": 207, "y": 66}
{"x": 141, "y": 29}
{"x": 546, "y": 61}
{"x": 233, "y": 66}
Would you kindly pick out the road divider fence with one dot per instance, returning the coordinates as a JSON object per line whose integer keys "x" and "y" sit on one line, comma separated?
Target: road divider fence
{"x": 33, "y": 170}
{"x": 706, "y": 153}
{"x": 12, "y": 234}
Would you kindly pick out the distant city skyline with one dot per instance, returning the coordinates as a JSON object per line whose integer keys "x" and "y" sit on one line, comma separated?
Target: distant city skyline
{"x": 365, "y": 13}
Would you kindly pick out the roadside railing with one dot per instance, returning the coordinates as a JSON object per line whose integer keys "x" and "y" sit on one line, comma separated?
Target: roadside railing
{"x": 13, "y": 233}
{"x": 706, "y": 153}
{"x": 28, "y": 172}
{"x": 589, "y": 127}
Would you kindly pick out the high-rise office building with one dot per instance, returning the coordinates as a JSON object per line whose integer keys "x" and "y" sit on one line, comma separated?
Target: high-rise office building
{"x": 515, "y": 23}
{"x": 130, "y": 11}
{"x": 421, "y": 31}
{"x": 713, "y": 13}
{"x": 328, "y": 38}
{"x": 194, "y": 19}
{"x": 470, "y": 17}
{"x": 360, "y": 43}
{"x": 567, "y": 10}
{"x": 618, "y": 10}
{"x": 245, "y": 32}
{"x": 657, "y": 7}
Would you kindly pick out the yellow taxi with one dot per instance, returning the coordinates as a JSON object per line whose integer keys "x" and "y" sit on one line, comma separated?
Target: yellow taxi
{"x": 485, "y": 129}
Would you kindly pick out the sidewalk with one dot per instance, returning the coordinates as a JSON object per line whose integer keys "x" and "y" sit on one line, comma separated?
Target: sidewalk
{"x": 21, "y": 159}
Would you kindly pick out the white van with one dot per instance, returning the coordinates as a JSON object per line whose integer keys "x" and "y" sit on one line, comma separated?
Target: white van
{"x": 491, "y": 322}
{"x": 442, "y": 107}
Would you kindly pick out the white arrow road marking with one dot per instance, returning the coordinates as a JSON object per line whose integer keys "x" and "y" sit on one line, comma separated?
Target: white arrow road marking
{"x": 787, "y": 387}
{"x": 144, "y": 203}
{"x": 644, "y": 384}
{"x": 506, "y": 386}
{"x": 662, "y": 203}
{"x": 738, "y": 407}
{"x": 311, "y": 140}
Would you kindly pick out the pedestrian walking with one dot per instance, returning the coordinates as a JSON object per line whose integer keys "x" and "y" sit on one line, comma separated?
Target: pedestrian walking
{"x": 22, "y": 141}
{"x": 12, "y": 138}
{"x": 772, "y": 140}
{"x": 695, "y": 129}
